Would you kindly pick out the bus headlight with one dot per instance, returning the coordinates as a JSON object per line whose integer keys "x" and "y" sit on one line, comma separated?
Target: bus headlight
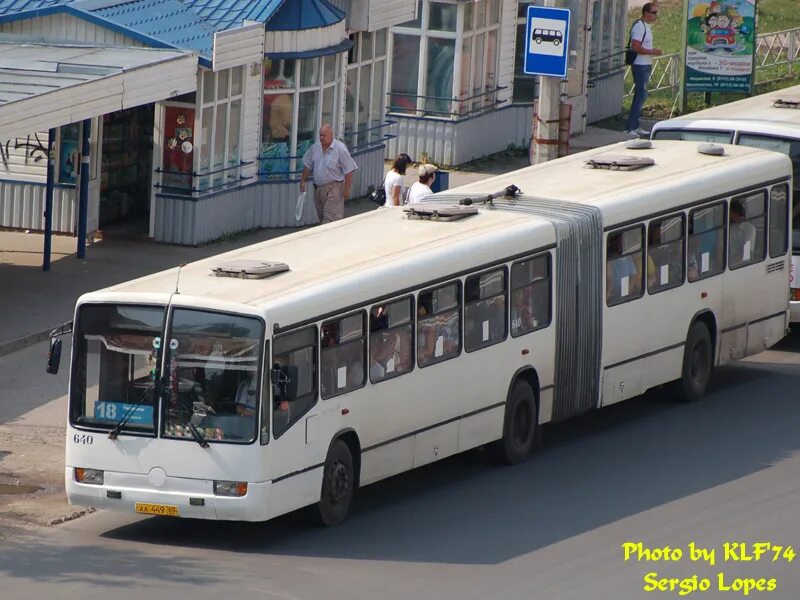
{"x": 237, "y": 489}
{"x": 90, "y": 476}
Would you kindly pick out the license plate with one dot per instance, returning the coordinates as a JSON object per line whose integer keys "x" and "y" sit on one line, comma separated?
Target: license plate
{"x": 157, "y": 509}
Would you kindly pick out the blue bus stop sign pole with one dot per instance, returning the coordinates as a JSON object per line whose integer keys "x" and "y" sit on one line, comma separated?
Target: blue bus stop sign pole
{"x": 547, "y": 41}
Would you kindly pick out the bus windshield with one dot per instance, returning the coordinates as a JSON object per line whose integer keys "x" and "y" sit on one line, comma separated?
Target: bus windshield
{"x": 211, "y": 376}
{"x": 208, "y": 387}
{"x": 694, "y": 135}
{"x": 117, "y": 349}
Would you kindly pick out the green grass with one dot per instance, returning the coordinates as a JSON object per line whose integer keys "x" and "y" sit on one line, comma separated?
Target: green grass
{"x": 773, "y": 15}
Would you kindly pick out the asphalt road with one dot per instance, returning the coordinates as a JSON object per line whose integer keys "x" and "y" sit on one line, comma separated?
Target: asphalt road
{"x": 726, "y": 469}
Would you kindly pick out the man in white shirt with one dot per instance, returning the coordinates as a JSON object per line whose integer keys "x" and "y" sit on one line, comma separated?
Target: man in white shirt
{"x": 641, "y": 41}
{"x": 422, "y": 188}
{"x": 333, "y": 168}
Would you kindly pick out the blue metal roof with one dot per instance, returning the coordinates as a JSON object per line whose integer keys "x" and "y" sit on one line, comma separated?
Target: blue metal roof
{"x": 224, "y": 14}
{"x": 297, "y": 15}
{"x": 183, "y": 24}
{"x": 168, "y": 21}
{"x": 13, "y": 6}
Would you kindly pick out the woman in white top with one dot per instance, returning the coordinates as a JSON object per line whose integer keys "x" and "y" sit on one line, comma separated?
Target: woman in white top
{"x": 422, "y": 188}
{"x": 393, "y": 184}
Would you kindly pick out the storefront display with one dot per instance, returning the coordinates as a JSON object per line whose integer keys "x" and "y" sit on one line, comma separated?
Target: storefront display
{"x": 126, "y": 165}
{"x": 178, "y": 148}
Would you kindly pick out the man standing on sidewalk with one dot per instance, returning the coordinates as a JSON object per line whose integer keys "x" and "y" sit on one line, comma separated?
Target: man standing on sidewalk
{"x": 333, "y": 168}
{"x": 642, "y": 45}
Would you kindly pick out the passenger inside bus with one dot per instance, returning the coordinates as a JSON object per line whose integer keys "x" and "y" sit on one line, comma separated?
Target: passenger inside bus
{"x": 485, "y": 322}
{"x": 384, "y": 357}
{"x": 623, "y": 274}
{"x": 743, "y": 236}
{"x": 246, "y": 397}
{"x": 664, "y": 259}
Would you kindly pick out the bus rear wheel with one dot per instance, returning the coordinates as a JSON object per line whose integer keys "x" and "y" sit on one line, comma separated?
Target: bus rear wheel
{"x": 338, "y": 485}
{"x": 698, "y": 360}
{"x": 519, "y": 426}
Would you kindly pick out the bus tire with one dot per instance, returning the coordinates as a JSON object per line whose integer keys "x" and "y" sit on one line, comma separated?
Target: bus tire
{"x": 338, "y": 485}
{"x": 698, "y": 357}
{"x": 520, "y": 426}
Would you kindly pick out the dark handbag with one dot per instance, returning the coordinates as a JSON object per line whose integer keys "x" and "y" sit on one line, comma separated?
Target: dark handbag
{"x": 378, "y": 195}
{"x": 630, "y": 55}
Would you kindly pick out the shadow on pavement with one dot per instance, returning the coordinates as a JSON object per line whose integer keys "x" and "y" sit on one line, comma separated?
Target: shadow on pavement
{"x": 592, "y": 471}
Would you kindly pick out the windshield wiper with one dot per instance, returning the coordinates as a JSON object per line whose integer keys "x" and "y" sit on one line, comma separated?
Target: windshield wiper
{"x": 114, "y": 433}
{"x": 198, "y": 437}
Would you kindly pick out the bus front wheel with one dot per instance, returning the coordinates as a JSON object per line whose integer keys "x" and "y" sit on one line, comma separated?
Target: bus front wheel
{"x": 698, "y": 360}
{"x": 519, "y": 426}
{"x": 338, "y": 485}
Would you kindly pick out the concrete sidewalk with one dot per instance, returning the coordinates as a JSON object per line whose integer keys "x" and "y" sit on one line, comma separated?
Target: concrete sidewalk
{"x": 34, "y": 302}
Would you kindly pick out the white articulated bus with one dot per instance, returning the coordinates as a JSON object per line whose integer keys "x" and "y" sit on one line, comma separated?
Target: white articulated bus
{"x": 770, "y": 121}
{"x": 343, "y": 354}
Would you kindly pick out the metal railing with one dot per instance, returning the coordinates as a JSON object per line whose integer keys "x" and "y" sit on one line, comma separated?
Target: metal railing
{"x": 776, "y": 55}
{"x": 459, "y": 107}
{"x": 362, "y": 140}
{"x": 200, "y": 182}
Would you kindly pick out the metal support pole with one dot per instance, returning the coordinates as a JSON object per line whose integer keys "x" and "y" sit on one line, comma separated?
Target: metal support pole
{"x": 48, "y": 201}
{"x": 83, "y": 204}
{"x": 545, "y": 139}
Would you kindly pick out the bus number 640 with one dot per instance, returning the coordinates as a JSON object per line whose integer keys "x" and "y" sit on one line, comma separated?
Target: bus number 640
{"x": 83, "y": 438}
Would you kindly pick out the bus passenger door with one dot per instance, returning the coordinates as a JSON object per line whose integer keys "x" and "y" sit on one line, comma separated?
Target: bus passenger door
{"x": 624, "y": 317}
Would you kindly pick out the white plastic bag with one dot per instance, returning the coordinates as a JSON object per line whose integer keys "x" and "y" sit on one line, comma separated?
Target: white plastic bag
{"x": 301, "y": 203}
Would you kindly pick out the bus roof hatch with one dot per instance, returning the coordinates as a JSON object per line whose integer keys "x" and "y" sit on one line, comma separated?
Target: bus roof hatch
{"x": 249, "y": 269}
{"x": 621, "y": 162}
{"x": 787, "y": 103}
{"x": 433, "y": 211}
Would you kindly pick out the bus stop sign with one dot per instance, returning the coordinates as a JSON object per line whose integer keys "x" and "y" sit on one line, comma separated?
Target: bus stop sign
{"x": 546, "y": 41}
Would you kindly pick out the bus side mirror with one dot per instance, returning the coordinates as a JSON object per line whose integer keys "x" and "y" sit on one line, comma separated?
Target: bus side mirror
{"x": 54, "y": 356}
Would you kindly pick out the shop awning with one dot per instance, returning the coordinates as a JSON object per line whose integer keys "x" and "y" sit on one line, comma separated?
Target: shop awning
{"x": 48, "y": 85}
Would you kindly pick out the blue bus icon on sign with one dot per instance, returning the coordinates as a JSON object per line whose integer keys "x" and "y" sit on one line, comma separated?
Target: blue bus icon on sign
{"x": 546, "y": 41}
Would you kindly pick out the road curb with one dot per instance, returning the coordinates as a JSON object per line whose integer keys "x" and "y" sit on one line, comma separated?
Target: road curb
{"x": 18, "y": 344}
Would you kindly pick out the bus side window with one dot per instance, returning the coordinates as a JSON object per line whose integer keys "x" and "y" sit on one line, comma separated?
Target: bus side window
{"x": 391, "y": 339}
{"x": 293, "y": 377}
{"x": 624, "y": 273}
{"x": 485, "y": 309}
{"x": 778, "y": 220}
{"x": 530, "y": 295}
{"x": 343, "y": 355}
{"x": 705, "y": 256}
{"x": 439, "y": 324}
{"x": 747, "y": 229}
{"x": 665, "y": 251}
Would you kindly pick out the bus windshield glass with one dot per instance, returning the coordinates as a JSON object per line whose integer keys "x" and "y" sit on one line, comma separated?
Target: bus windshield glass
{"x": 211, "y": 376}
{"x": 694, "y": 135}
{"x": 117, "y": 350}
{"x": 790, "y": 148}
